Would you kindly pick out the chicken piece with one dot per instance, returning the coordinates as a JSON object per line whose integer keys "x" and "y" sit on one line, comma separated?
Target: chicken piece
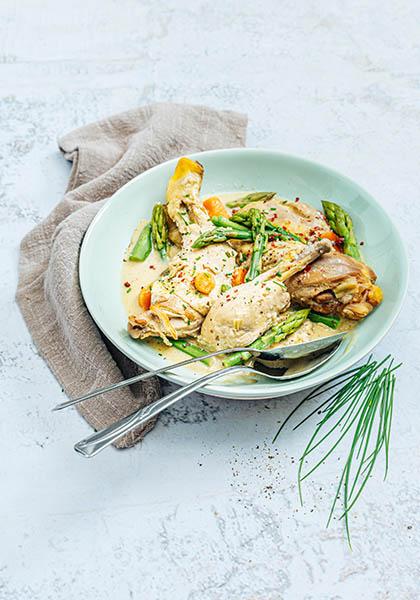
{"x": 337, "y": 284}
{"x": 178, "y": 279}
{"x": 248, "y": 310}
{"x": 174, "y": 320}
{"x": 278, "y": 251}
{"x": 183, "y": 204}
{"x": 297, "y": 217}
{"x": 177, "y": 308}
{"x": 243, "y": 314}
{"x": 173, "y": 232}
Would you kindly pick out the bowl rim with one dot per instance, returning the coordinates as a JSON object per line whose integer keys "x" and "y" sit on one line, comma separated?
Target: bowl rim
{"x": 228, "y": 391}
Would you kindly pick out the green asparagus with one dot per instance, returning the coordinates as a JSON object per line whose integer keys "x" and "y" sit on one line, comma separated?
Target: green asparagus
{"x": 221, "y": 234}
{"x": 159, "y": 229}
{"x": 258, "y": 221}
{"x": 239, "y": 227}
{"x": 191, "y": 350}
{"x": 330, "y": 320}
{"x": 244, "y": 218}
{"x": 143, "y": 246}
{"x": 272, "y": 230}
{"x": 243, "y": 222}
{"x": 224, "y": 222}
{"x": 273, "y": 336}
{"x": 254, "y": 197}
{"x": 341, "y": 223}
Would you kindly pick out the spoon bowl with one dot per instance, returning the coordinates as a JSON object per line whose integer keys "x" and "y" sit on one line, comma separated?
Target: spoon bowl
{"x": 284, "y": 369}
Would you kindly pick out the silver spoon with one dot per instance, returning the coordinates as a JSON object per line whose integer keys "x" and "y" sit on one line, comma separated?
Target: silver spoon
{"x": 283, "y": 353}
{"x": 96, "y": 442}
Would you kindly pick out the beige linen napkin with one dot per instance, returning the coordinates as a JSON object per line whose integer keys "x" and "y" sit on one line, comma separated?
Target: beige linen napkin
{"x": 105, "y": 156}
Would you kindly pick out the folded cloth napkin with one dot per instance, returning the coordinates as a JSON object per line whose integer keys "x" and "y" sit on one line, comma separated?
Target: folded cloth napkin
{"x": 105, "y": 156}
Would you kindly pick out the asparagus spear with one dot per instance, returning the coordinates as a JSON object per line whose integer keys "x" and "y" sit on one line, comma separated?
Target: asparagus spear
{"x": 191, "y": 350}
{"x": 242, "y": 221}
{"x": 254, "y": 197}
{"x": 221, "y": 234}
{"x": 143, "y": 246}
{"x": 341, "y": 223}
{"x": 258, "y": 221}
{"x": 159, "y": 229}
{"x": 283, "y": 233}
{"x": 273, "y": 336}
{"x": 272, "y": 230}
{"x": 244, "y": 218}
{"x": 220, "y": 221}
{"x": 330, "y": 320}
{"x": 238, "y": 227}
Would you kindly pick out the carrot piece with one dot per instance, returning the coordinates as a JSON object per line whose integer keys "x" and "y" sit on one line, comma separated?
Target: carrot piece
{"x": 215, "y": 207}
{"x": 145, "y": 298}
{"x": 330, "y": 235}
{"x": 375, "y": 295}
{"x": 204, "y": 282}
{"x": 238, "y": 276}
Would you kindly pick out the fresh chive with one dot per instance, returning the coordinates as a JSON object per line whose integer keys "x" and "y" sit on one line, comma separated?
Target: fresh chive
{"x": 361, "y": 409}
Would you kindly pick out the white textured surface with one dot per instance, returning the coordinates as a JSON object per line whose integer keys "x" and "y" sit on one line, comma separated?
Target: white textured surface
{"x": 207, "y": 508}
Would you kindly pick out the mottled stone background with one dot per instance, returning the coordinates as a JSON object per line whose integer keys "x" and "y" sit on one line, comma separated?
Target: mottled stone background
{"x": 207, "y": 508}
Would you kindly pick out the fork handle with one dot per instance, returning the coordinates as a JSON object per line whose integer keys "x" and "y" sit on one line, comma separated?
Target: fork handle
{"x": 96, "y": 442}
{"x": 147, "y": 375}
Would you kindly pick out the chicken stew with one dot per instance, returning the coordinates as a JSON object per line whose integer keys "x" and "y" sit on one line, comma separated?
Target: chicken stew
{"x": 241, "y": 269}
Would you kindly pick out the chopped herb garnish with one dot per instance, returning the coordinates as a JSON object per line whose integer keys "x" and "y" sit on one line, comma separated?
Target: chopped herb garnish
{"x": 361, "y": 410}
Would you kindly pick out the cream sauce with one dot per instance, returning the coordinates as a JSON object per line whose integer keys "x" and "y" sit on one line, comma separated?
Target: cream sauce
{"x": 139, "y": 274}
{"x": 135, "y": 275}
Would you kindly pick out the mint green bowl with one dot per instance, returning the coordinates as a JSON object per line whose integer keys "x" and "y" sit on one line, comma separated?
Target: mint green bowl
{"x": 235, "y": 170}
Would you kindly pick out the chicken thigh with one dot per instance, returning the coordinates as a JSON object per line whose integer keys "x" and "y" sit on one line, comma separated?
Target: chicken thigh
{"x": 337, "y": 284}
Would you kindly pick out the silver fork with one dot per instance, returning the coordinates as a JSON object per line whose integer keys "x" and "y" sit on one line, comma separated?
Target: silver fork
{"x": 283, "y": 353}
{"x": 98, "y": 441}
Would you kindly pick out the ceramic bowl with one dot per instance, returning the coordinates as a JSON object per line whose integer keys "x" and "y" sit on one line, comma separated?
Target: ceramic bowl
{"x": 235, "y": 170}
